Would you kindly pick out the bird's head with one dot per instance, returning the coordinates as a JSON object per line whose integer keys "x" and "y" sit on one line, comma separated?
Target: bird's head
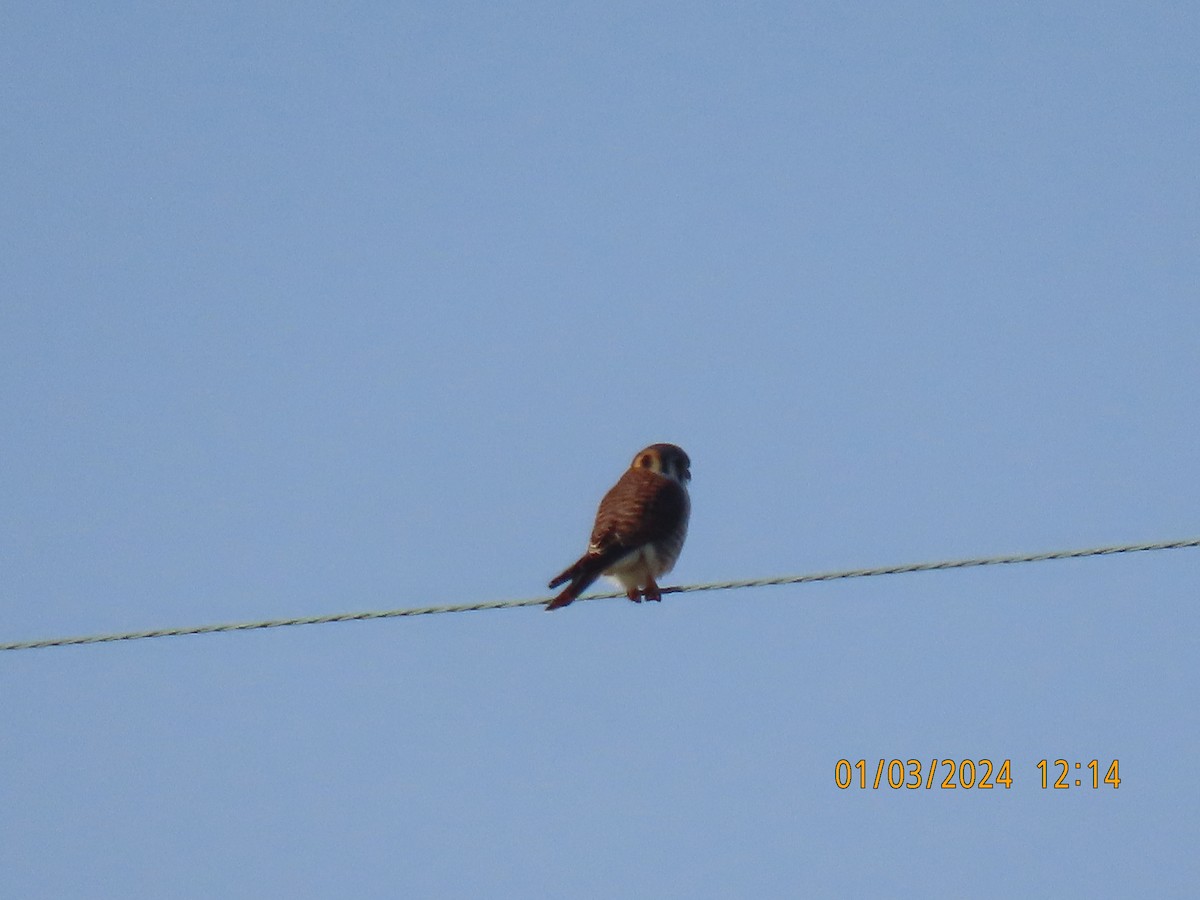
{"x": 665, "y": 459}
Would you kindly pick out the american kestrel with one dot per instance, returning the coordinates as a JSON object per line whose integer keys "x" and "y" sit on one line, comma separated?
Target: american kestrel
{"x": 639, "y": 528}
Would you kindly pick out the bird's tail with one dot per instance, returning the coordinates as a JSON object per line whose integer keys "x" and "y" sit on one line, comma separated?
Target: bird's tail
{"x": 569, "y": 594}
{"x": 580, "y": 574}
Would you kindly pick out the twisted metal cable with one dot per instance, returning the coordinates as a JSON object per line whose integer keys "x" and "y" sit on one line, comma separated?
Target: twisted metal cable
{"x": 539, "y": 601}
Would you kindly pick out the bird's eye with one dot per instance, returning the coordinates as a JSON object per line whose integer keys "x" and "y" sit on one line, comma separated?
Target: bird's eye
{"x": 644, "y": 462}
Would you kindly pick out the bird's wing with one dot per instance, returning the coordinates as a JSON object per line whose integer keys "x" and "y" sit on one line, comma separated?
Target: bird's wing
{"x": 641, "y": 508}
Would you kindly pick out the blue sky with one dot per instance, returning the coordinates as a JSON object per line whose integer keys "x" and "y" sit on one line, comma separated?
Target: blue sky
{"x": 307, "y": 309}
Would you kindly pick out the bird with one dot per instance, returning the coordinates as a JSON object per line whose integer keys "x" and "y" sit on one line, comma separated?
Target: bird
{"x": 640, "y": 528}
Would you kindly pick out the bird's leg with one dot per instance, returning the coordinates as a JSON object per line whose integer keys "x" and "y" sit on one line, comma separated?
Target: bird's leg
{"x": 651, "y": 592}
{"x": 634, "y": 594}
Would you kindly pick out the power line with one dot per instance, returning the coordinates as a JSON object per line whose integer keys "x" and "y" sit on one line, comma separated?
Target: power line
{"x": 539, "y": 601}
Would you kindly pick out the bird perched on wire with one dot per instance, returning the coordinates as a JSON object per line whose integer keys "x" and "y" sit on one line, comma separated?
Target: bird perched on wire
{"x": 639, "y": 530}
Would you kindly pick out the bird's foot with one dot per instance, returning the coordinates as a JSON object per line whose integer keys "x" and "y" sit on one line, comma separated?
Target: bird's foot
{"x": 649, "y": 592}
